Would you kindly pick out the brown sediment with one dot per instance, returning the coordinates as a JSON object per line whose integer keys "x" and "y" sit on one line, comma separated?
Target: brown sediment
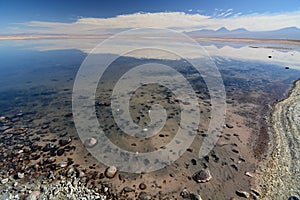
{"x": 278, "y": 175}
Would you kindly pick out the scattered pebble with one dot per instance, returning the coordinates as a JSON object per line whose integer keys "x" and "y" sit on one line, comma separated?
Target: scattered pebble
{"x": 142, "y": 186}
{"x": 110, "y": 172}
{"x": 3, "y": 181}
{"x": 195, "y": 197}
{"x": 65, "y": 141}
{"x": 229, "y": 126}
{"x": 127, "y": 189}
{"x": 242, "y": 194}
{"x": 90, "y": 142}
{"x": 20, "y": 175}
{"x": 202, "y": 176}
{"x": 248, "y": 174}
{"x": 185, "y": 194}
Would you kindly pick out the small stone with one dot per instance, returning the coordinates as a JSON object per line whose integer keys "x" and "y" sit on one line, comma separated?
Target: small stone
{"x": 101, "y": 176}
{"x": 242, "y": 194}
{"x": 194, "y": 162}
{"x": 62, "y": 164}
{"x": 49, "y": 160}
{"x": 70, "y": 172}
{"x": 229, "y": 126}
{"x": 20, "y": 175}
{"x": 5, "y": 180}
{"x": 202, "y": 176}
{"x": 47, "y": 147}
{"x": 90, "y": 142}
{"x": 235, "y": 151}
{"x": 293, "y": 198}
{"x": 195, "y": 197}
{"x": 185, "y": 194}
{"x": 145, "y": 196}
{"x": 105, "y": 189}
{"x": 60, "y": 152}
{"x": 33, "y": 195}
{"x": 234, "y": 167}
{"x": 248, "y": 174}
{"x": 142, "y": 186}
{"x": 110, "y": 172}
{"x": 64, "y": 141}
{"x": 127, "y": 189}
{"x": 254, "y": 191}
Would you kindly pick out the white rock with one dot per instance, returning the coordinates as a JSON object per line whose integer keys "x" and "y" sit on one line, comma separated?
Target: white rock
{"x": 111, "y": 172}
{"x": 90, "y": 142}
{"x": 20, "y": 175}
{"x": 248, "y": 174}
{"x": 5, "y": 180}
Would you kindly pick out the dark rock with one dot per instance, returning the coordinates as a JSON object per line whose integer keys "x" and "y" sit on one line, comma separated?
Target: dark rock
{"x": 206, "y": 158}
{"x": 235, "y": 151}
{"x": 293, "y": 198}
{"x": 195, "y": 197}
{"x": 101, "y": 176}
{"x": 47, "y": 147}
{"x": 144, "y": 196}
{"x": 49, "y": 160}
{"x": 202, "y": 176}
{"x": 194, "y": 162}
{"x": 60, "y": 152}
{"x": 242, "y": 194}
{"x": 65, "y": 141}
{"x": 229, "y": 126}
{"x": 127, "y": 189}
{"x": 234, "y": 167}
{"x": 185, "y": 194}
{"x": 142, "y": 186}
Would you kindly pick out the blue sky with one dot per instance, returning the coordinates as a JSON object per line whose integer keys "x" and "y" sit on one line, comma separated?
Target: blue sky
{"x": 17, "y": 16}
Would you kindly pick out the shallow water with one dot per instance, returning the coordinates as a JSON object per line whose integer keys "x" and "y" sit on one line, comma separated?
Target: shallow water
{"x": 36, "y": 93}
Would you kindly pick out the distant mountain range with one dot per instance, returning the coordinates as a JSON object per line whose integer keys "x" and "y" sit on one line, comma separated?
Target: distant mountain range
{"x": 290, "y": 33}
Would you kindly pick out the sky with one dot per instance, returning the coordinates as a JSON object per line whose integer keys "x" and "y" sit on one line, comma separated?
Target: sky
{"x": 103, "y": 17}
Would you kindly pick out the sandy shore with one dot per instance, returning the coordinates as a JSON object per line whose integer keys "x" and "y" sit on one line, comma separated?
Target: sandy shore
{"x": 279, "y": 175}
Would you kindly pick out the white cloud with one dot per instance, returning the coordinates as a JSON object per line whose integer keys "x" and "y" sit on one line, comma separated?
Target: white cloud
{"x": 178, "y": 20}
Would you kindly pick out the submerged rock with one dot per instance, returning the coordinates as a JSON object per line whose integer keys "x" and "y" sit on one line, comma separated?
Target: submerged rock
{"x": 202, "y": 176}
{"x": 90, "y": 142}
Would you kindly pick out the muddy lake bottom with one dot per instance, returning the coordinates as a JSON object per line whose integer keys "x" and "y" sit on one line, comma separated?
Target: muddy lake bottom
{"x": 38, "y": 135}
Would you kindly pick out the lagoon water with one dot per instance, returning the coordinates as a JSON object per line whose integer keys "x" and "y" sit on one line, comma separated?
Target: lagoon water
{"x": 36, "y": 84}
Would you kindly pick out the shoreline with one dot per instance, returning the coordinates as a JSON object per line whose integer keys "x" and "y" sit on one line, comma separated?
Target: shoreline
{"x": 278, "y": 176}
{"x": 245, "y": 40}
